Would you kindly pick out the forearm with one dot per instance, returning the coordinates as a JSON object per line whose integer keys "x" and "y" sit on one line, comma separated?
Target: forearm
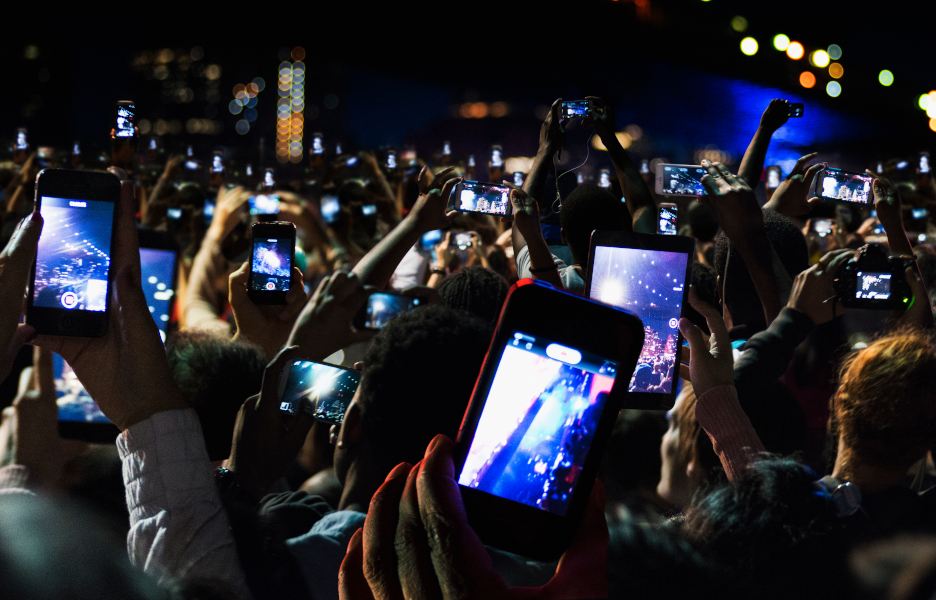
{"x": 383, "y": 185}
{"x": 542, "y": 264}
{"x": 535, "y": 183}
{"x": 201, "y": 304}
{"x": 159, "y": 190}
{"x": 378, "y": 265}
{"x": 752, "y": 165}
{"x": 16, "y": 200}
{"x": 638, "y": 199}
{"x": 733, "y": 437}
{"x": 770, "y": 278}
{"x": 898, "y": 242}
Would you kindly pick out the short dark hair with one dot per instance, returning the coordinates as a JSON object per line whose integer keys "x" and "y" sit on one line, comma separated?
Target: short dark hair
{"x": 216, "y": 376}
{"x": 588, "y": 208}
{"x": 703, "y": 221}
{"x": 478, "y": 290}
{"x": 418, "y": 375}
{"x": 739, "y": 293}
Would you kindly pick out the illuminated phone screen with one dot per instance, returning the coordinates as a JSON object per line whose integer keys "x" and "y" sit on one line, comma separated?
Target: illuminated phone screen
{"x": 271, "y": 265}
{"x": 842, "y": 185}
{"x": 328, "y": 390}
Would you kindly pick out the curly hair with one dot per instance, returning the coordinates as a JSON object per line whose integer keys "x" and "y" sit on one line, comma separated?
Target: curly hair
{"x": 478, "y": 290}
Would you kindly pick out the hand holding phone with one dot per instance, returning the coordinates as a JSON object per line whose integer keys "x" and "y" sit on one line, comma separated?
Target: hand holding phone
{"x": 272, "y": 249}
{"x": 775, "y": 115}
{"x": 483, "y": 198}
{"x": 844, "y": 186}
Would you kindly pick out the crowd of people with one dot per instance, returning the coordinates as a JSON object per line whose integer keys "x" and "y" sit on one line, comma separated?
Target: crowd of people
{"x": 796, "y": 461}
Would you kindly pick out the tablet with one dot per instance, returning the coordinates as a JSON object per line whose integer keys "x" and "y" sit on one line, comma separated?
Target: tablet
{"x": 649, "y": 275}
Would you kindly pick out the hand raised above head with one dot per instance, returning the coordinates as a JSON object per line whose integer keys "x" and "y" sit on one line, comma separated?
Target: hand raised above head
{"x": 267, "y": 326}
{"x": 710, "y": 365}
{"x": 791, "y": 199}
{"x": 739, "y": 214}
{"x": 887, "y": 203}
{"x": 775, "y": 115}
{"x": 602, "y": 117}
{"x": 813, "y": 287}
{"x": 431, "y": 208}
{"x": 16, "y": 261}
{"x": 552, "y": 131}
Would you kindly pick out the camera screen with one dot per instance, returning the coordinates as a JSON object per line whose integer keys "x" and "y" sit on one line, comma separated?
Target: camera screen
{"x": 73, "y": 259}
{"x": 574, "y": 110}
{"x": 263, "y": 204}
{"x": 74, "y": 402}
{"x": 216, "y": 166}
{"x": 683, "y": 181}
{"x": 328, "y": 389}
{"x": 842, "y": 185}
{"x": 157, "y": 268}
{"x": 383, "y": 307}
{"x": 484, "y": 198}
{"x": 795, "y": 109}
{"x": 668, "y": 220}
{"x": 125, "y": 116}
{"x": 538, "y": 423}
{"x": 497, "y": 160}
{"x": 773, "y": 177}
{"x": 330, "y": 208}
{"x": 21, "y": 139}
{"x": 649, "y": 283}
{"x": 873, "y": 286}
{"x": 271, "y": 264}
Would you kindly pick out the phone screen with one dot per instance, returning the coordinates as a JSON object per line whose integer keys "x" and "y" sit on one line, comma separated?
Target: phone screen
{"x": 74, "y": 402}
{"x": 125, "y": 117}
{"x": 497, "y": 160}
{"x": 264, "y": 204}
{"x": 330, "y": 208}
{"x": 773, "y": 177}
{"x": 76, "y": 149}
{"x": 538, "y": 423}
{"x": 216, "y": 166}
{"x": 579, "y": 178}
{"x": 271, "y": 264}
{"x": 484, "y": 198}
{"x": 268, "y": 178}
{"x": 369, "y": 210}
{"x": 21, "y": 139}
{"x": 920, "y": 213}
{"x": 924, "y": 163}
{"x": 842, "y": 185}
{"x": 463, "y": 240}
{"x": 644, "y": 167}
{"x": 191, "y": 165}
{"x": 189, "y": 152}
{"x": 73, "y": 258}
{"x": 174, "y": 213}
{"x": 381, "y": 308}
{"x": 604, "y": 179}
{"x": 157, "y": 268}
{"x": 446, "y": 148}
{"x": 471, "y": 161}
{"x": 249, "y": 171}
{"x": 668, "y": 220}
{"x": 518, "y": 179}
{"x": 338, "y": 148}
{"x": 327, "y": 388}
{"x": 577, "y": 109}
{"x": 649, "y": 283}
{"x": 430, "y": 239}
{"x": 317, "y": 146}
{"x": 822, "y": 227}
{"x": 152, "y": 145}
{"x": 795, "y": 109}
{"x": 391, "y": 160}
{"x": 683, "y": 180}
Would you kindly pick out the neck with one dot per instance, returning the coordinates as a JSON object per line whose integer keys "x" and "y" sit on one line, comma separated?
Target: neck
{"x": 360, "y": 483}
{"x": 868, "y": 478}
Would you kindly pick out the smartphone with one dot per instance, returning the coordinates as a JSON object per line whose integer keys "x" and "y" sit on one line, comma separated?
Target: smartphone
{"x": 383, "y": 306}
{"x": 271, "y": 258}
{"x": 645, "y": 167}
{"x": 604, "y": 178}
{"x": 174, "y": 213}
{"x": 795, "y": 109}
{"x": 540, "y": 416}
{"x": 369, "y": 210}
{"x": 575, "y": 109}
{"x": 124, "y": 124}
{"x": 391, "y": 159}
{"x": 79, "y": 416}
{"x": 579, "y": 178}
{"x": 351, "y": 161}
{"x": 217, "y": 166}
{"x": 264, "y": 204}
{"x": 484, "y": 198}
{"x": 773, "y": 177}
{"x": 208, "y": 210}
{"x": 518, "y": 179}
{"x": 836, "y": 184}
{"x": 330, "y": 208}
{"x": 152, "y": 144}
{"x": 920, "y": 213}
{"x": 21, "y": 143}
{"x": 191, "y": 165}
{"x": 668, "y": 212}
{"x": 338, "y": 148}
{"x": 321, "y": 389}
{"x": 902, "y": 165}
{"x": 70, "y": 288}
{"x": 429, "y": 239}
{"x": 822, "y": 227}
{"x": 680, "y": 180}
{"x": 318, "y": 147}
{"x": 446, "y": 149}
{"x": 924, "y": 162}
{"x": 497, "y": 156}
{"x": 471, "y": 160}
{"x": 248, "y": 170}
{"x": 463, "y": 240}
{"x": 880, "y": 168}
{"x": 76, "y": 149}
{"x": 268, "y": 179}
{"x": 158, "y": 261}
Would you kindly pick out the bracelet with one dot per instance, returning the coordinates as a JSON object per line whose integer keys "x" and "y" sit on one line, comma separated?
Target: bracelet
{"x": 438, "y": 272}
{"x": 544, "y": 269}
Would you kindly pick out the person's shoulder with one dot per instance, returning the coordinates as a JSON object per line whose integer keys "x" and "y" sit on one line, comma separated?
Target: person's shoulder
{"x": 572, "y": 278}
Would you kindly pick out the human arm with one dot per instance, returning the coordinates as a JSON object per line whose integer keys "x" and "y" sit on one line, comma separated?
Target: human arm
{"x": 268, "y": 326}
{"x": 527, "y": 224}
{"x": 156, "y": 198}
{"x": 20, "y": 189}
{"x": 791, "y": 198}
{"x": 752, "y": 164}
{"x": 551, "y": 139}
{"x": 639, "y": 200}
{"x": 443, "y": 254}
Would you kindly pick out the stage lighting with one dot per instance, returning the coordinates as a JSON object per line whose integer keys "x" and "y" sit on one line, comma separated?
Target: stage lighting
{"x": 749, "y": 46}
{"x": 795, "y": 50}
{"x": 781, "y": 42}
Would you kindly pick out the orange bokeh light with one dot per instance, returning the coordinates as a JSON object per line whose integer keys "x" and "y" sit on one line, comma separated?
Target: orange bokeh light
{"x": 807, "y": 79}
{"x": 298, "y": 53}
{"x": 795, "y": 50}
{"x": 933, "y": 124}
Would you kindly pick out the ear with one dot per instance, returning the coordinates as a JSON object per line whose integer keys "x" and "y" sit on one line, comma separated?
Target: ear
{"x": 694, "y": 470}
{"x": 351, "y": 428}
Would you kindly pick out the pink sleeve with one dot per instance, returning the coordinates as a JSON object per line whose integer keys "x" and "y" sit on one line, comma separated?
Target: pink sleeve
{"x": 733, "y": 437}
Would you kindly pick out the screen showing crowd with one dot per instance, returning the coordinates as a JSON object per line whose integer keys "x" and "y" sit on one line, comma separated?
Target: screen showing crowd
{"x": 270, "y": 265}
{"x": 538, "y": 423}
{"x": 683, "y": 181}
{"x": 874, "y": 286}
{"x": 328, "y": 389}
{"x": 649, "y": 283}
{"x": 383, "y": 307}
{"x": 850, "y": 187}
{"x": 73, "y": 258}
{"x": 483, "y": 198}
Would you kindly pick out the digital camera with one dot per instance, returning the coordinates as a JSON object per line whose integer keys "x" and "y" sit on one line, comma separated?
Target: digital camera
{"x": 872, "y": 279}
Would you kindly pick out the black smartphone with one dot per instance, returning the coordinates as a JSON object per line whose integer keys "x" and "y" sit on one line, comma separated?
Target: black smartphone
{"x": 391, "y": 160}
{"x": 383, "y": 306}
{"x": 321, "y": 389}
{"x": 774, "y": 176}
{"x": 575, "y": 109}
{"x": 497, "y": 156}
{"x": 21, "y": 142}
{"x": 924, "y": 162}
{"x": 125, "y": 121}
{"x": 70, "y": 288}
{"x": 668, "y": 213}
{"x": 318, "y": 146}
{"x": 264, "y": 204}
{"x": 836, "y": 184}
{"x": 271, "y": 261}
{"x": 158, "y": 268}
{"x": 518, "y": 179}
{"x": 484, "y": 198}
{"x": 217, "y": 164}
{"x": 79, "y": 416}
{"x": 795, "y": 109}
{"x": 540, "y": 416}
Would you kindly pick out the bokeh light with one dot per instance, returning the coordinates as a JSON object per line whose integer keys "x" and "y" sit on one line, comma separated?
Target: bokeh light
{"x": 739, "y": 24}
{"x": 795, "y": 50}
{"x": 833, "y": 88}
{"x": 836, "y": 70}
{"x": 749, "y": 46}
{"x": 781, "y": 42}
{"x": 819, "y": 58}
{"x": 835, "y": 52}
{"x": 807, "y": 79}
{"x": 885, "y": 78}
{"x": 242, "y": 127}
{"x": 932, "y": 124}
{"x": 298, "y": 53}
{"x": 923, "y": 101}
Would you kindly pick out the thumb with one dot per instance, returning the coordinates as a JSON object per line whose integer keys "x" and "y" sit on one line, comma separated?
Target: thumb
{"x": 694, "y": 336}
{"x": 237, "y": 286}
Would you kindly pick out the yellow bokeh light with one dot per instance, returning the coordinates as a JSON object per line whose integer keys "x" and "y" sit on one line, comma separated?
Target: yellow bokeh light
{"x": 749, "y": 46}
{"x": 795, "y": 50}
{"x": 819, "y": 58}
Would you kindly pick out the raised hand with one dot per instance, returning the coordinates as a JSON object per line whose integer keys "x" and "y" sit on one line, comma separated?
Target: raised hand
{"x": 267, "y": 326}
{"x": 602, "y": 117}
{"x": 229, "y": 208}
{"x": 430, "y": 211}
{"x": 791, "y": 198}
{"x": 775, "y": 115}
{"x": 709, "y": 367}
{"x": 813, "y": 288}
{"x": 526, "y": 215}
{"x": 887, "y": 203}
{"x": 552, "y": 131}
{"x": 739, "y": 214}
{"x": 16, "y": 263}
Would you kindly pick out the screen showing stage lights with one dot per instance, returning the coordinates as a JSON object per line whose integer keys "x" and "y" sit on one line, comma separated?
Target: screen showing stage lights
{"x": 484, "y": 198}
{"x": 834, "y": 184}
{"x": 73, "y": 259}
{"x": 648, "y": 283}
{"x": 538, "y": 423}
{"x": 327, "y": 388}
{"x": 683, "y": 180}
{"x": 271, "y": 265}
{"x": 873, "y": 286}
{"x": 74, "y": 402}
{"x": 157, "y": 268}
{"x": 574, "y": 110}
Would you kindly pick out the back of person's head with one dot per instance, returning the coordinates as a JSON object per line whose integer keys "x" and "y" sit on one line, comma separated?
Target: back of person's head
{"x": 884, "y": 411}
{"x": 216, "y": 375}
{"x": 739, "y": 293}
{"x": 587, "y": 208}
{"x": 478, "y": 290}
{"x": 631, "y": 466}
{"x": 418, "y": 375}
{"x": 703, "y": 222}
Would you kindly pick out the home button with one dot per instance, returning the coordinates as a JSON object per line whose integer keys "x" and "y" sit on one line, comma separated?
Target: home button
{"x": 67, "y": 322}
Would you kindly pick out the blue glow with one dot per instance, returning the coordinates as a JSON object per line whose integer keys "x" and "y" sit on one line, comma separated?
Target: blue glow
{"x": 250, "y": 114}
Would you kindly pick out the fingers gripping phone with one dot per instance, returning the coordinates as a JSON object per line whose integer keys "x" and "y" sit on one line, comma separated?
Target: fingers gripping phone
{"x": 321, "y": 389}
{"x": 836, "y": 184}
{"x": 271, "y": 259}
{"x": 484, "y": 198}
{"x": 680, "y": 180}
{"x": 540, "y": 417}
{"x": 382, "y": 307}
{"x": 69, "y": 292}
